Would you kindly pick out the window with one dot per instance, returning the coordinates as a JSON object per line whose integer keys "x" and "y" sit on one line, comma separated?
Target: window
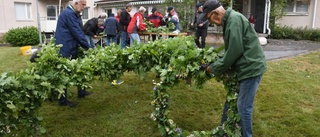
{"x": 85, "y": 13}
{"x": 52, "y": 12}
{"x": 23, "y": 11}
{"x": 298, "y": 6}
{"x": 108, "y": 11}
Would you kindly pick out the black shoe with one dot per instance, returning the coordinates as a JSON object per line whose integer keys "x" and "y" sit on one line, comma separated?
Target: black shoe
{"x": 68, "y": 103}
{"x": 85, "y": 94}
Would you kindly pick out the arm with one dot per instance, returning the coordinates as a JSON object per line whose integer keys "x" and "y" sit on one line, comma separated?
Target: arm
{"x": 76, "y": 31}
{"x": 205, "y": 23}
{"x": 174, "y": 19}
{"x": 142, "y": 26}
{"x": 234, "y": 49}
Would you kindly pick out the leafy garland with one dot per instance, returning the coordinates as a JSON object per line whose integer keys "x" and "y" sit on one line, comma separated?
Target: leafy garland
{"x": 22, "y": 93}
{"x": 161, "y": 29}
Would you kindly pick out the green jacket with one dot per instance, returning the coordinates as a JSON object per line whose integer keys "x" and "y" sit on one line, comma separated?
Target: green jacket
{"x": 243, "y": 51}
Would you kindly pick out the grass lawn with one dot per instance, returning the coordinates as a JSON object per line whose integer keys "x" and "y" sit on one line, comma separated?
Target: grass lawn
{"x": 287, "y": 103}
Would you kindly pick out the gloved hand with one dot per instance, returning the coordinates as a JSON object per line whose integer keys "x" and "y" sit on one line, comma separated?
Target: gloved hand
{"x": 204, "y": 67}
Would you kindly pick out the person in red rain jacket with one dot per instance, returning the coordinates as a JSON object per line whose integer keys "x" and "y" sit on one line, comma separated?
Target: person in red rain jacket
{"x": 118, "y": 19}
{"x": 156, "y": 18}
{"x": 136, "y": 24}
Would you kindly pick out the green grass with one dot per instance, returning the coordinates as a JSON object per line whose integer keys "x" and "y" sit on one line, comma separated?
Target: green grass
{"x": 287, "y": 103}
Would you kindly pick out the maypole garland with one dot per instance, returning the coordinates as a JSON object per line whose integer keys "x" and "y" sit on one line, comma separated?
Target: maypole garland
{"x": 22, "y": 94}
{"x": 167, "y": 126}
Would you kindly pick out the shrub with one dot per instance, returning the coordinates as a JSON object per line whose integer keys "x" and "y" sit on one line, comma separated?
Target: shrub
{"x": 300, "y": 33}
{"x": 22, "y": 36}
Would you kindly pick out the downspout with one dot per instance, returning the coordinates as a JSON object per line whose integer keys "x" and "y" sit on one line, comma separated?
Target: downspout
{"x": 267, "y": 17}
{"x": 314, "y": 13}
{"x": 59, "y": 7}
{"x": 93, "y": 6}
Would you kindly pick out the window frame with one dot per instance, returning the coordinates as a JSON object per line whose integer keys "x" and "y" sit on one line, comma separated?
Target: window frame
{"x": 56, "y": 12}
{"x": 294, "y": 10}
{"x": 27, "y": 8}
{"x": 83, "y": 15}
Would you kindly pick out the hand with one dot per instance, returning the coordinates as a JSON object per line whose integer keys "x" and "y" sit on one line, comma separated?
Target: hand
{"x": 200, "y": 25}
{"x": 204, "y": 67}
{"x": 191, "y": 24}
{"x": 95, "y": 36}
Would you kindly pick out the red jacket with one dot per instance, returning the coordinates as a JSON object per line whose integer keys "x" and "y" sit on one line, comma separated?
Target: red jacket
{"x": 136, "y": 24}
{"x": 118, "y": 18}
{"x": 155, "y": 19}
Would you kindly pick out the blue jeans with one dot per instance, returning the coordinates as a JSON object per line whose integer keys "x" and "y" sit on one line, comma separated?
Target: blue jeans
{"x": 134, "y": 37}
{"x": 247, "y": 93}
{"x": 90, "y": 41}
{"x": 123, "y": 39}
{"x": 111, "y": 38}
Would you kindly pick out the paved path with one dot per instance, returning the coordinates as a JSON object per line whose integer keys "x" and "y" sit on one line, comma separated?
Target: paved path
{"x": 277, "y": 49}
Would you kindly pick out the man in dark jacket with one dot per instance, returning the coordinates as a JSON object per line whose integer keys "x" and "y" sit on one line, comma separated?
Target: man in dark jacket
{"x": 124, "y": 22}
{"x": 91, "y": 28}
{"x": 111, "y": 26}
{"x": 69, "y": 33}
{"x": 156, "y": 18}
{"x": 201, "y": 27}
{"x": 243, "y": 55}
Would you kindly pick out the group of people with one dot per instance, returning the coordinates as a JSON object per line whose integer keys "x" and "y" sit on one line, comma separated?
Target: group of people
{"x": 124, "y": 29}
{"x": 243, "y": 52}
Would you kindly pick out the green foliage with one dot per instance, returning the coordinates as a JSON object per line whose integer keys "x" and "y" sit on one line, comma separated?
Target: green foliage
{"x": 160, "y": 29}
{"x": 22, "y": 36}
{"x": 277, "y": 11}
{"x": 301, "y": 33}
{"x": 23, "y": 93}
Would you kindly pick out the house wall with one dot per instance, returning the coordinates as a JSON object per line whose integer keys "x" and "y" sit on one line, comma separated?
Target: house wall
{"x": 302, "y": 20}
{"x": 8, "y": 16}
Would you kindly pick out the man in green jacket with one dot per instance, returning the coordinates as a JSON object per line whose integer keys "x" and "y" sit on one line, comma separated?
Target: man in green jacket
{"x": 243, "y": 54}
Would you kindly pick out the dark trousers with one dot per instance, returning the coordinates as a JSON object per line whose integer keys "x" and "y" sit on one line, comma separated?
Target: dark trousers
{"x": 203, "y": 34}
{"x": 64, "y": 98}
{"x": 81, "y": 91}
{"x": 118, "y": 38}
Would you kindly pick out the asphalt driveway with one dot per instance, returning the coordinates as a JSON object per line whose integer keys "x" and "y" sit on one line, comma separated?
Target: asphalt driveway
{"x": 277, "y": 49}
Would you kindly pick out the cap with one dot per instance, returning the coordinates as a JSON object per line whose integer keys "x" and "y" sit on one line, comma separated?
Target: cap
{"x": 198, "y": 5}
{"x": 154, "y": 9}
{"x": 169, "y": 8}
{"x": 209, "y": 6}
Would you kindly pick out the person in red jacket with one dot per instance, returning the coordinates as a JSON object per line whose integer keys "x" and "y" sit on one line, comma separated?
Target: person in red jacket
{"x": 118, "y": 19}
{"x": 252, "y": 20}
{"x": 136, "y": 24}
{"x": 156, "y": 18}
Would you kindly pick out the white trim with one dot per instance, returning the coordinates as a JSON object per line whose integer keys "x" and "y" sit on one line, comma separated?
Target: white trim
{"x": 314, "y": 13}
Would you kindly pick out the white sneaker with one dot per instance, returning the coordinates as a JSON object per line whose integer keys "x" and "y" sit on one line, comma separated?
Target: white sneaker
{"x": 176, "y": 32}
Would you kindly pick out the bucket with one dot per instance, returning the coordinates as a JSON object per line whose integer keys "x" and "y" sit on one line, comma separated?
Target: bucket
{"x": 26, "y": 50}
